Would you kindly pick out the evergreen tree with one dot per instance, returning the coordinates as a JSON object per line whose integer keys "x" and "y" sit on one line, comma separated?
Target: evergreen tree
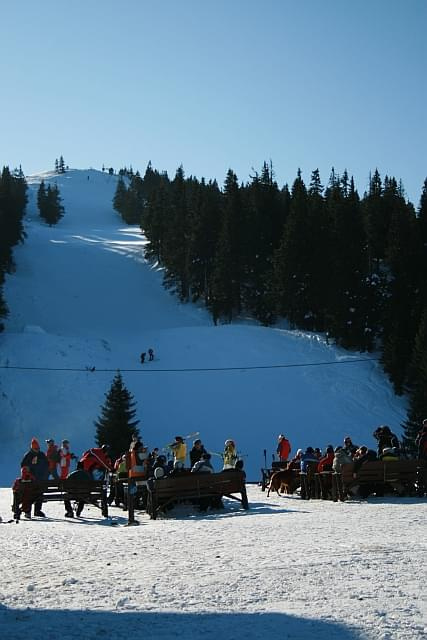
{"x": 61, "y": 165}
{"x": 41, "y": 196}
{"x": 227, "y": 276}
{"x": 56, "y": 165}
{"x": 4, "y": 311}
{"x": 402, "y": 260}
{"x": 292, "y": 259}
{"x": 13, "y": 200}
{"x": 49, "y": 203}
{"x": 417, "y": 386}
{"x": 176, "y": 240}
{"x": 116, "y": 425}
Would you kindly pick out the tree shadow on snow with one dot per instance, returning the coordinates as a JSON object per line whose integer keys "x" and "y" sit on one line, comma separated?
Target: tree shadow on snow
{"x": 39, "y": 624}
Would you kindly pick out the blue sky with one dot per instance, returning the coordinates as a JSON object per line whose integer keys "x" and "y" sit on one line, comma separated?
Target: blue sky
{"x": 217, "y": 84}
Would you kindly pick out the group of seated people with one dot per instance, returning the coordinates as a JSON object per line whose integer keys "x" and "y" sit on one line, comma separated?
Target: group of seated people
{"x": 333, "y": 458}
{"x": 320, "y": 473}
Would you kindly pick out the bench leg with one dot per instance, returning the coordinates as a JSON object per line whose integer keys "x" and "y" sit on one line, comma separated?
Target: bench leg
{"x": 245, "y": 503}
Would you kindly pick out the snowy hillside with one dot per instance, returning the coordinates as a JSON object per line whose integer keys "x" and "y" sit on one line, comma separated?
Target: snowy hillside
{"x": 83, "y": 296}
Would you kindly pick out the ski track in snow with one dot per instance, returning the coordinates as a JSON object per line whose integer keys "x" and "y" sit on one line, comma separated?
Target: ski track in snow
{"x": 287, "y": 567}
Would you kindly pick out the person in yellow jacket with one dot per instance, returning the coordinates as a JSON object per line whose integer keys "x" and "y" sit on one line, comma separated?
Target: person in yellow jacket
{"x": 229, "y": 456}
{"x": 179, "y": 450}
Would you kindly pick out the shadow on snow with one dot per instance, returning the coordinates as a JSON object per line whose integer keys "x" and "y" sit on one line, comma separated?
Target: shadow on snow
{"x": 38, "y": 624}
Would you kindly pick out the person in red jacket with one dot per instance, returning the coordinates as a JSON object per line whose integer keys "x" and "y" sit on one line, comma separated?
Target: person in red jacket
{"x": 283, "y": 448}
{"x": 24, "y": 494}
{"x": 97, "y": 462}
{"x": 53, "y": 457}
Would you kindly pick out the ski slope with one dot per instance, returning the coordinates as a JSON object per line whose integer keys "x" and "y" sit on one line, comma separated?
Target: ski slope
{"x": 84, "y": 296}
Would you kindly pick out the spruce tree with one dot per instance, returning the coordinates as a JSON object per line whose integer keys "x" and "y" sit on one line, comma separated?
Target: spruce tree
{"x": 116, "y": 425}
{"x": 49, "y": 203}
{"x": 417, "y": 386}
{"x": 292, "y": 259}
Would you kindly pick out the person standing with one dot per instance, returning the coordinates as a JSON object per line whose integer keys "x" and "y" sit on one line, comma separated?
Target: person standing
{"x": 229, "y": 456}
{"x": 179, "y": 450}
{"x": 38, "y": 467}
{"x": 196, "y": 452}
{"x": 65, "y": 457}
{"x": 150, "y": 354}
{"x": 142, "y": 357}
{"x": 53, "y": 458}
{"x": 283, "y": 448}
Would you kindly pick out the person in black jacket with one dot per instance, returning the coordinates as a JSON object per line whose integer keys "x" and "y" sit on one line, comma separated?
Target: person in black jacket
{"x": 38, "y": 466}
{"x": 196, "y": 453}
{"x": 386, "y": 439}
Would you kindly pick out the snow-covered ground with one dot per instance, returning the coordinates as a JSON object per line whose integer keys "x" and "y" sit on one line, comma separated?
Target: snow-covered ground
{"x": 83, "y": 296}
{"x": 287, "y": 568}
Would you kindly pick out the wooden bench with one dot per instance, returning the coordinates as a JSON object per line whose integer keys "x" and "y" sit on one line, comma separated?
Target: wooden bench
{"x": 398, "y": 476}
{"x": 198, "y": 487}
{"x": 93, "y": 492}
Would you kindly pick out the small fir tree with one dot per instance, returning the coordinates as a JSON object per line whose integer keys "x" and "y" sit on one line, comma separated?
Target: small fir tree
{"x": 116, "y": 425}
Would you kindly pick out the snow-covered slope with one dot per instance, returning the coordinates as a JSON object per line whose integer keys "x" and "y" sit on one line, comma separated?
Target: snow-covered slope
{"x": 83, "y": 296}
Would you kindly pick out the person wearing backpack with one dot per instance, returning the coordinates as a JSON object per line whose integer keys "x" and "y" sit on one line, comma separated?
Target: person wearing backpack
{"x": 53, "y": 458}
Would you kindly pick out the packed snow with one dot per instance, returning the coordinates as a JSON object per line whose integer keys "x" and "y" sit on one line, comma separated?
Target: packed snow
{"x": 83, "y": 297}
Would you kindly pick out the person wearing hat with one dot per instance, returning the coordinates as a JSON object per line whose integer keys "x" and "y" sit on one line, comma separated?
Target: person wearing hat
{"x": 196, "y": 452}
{"x": 38, "y": 466}
{"x": 53, "y": 457}
{"x": 179, "y": 450}
{"x": 24, "y": 494}
{"x": 283, "y": 448}
{"x": 295, "y": 463}
{"x": 229, "y": 456}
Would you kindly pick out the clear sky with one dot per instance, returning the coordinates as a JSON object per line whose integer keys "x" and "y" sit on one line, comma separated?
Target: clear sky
{"x": 217, "y": 84}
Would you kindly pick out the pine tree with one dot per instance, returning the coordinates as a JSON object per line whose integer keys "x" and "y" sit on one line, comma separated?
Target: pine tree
{"x": 228, "y": 270}
{"x": 417, "y": 386}
{"x": 4, "y": 311}
{"x": 61, "y": 165}
{"x": 402, "y": 260}
{"x": 292, "y": 259}
{"x": 116, "y": 426}
{"x": 49, "y": 203}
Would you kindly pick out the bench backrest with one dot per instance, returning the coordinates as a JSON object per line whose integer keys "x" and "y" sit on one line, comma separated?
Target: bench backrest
{"x": 223, "y": 483}
{"x": 381, "y": 471}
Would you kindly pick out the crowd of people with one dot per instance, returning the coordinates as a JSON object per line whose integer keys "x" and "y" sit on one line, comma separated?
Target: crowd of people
{"x": 333, "y": 458}
{"x": 136, "y": 465}
{"x": 388, "y": 448}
